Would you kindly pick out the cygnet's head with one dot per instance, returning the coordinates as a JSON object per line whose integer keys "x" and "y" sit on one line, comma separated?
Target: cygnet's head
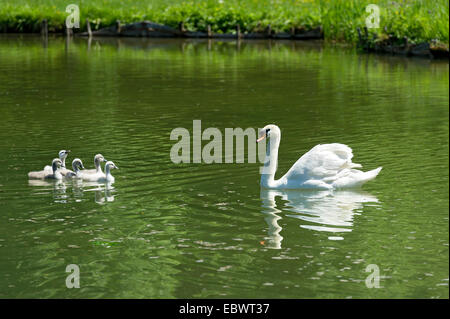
{"x": 77, "y": 164}
{"x": 99, "y": 158}
{"x": 56, "y": 163}
{"x": 110, "y": 165}
{"x": 63, "y": 154}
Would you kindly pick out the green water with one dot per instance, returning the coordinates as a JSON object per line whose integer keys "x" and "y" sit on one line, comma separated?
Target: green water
{"x": 168, "y": 230}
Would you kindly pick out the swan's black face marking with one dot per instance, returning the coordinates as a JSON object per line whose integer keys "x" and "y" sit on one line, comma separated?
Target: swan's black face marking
{"x": 263, "y": 133}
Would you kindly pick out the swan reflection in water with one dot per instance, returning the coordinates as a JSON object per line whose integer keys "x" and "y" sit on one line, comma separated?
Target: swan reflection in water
{"x": 102, "y": 191}
{"x": 328, "y": 211}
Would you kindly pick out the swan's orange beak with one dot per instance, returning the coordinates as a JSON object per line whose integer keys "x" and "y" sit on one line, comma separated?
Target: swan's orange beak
{"x": 261, "y": 138}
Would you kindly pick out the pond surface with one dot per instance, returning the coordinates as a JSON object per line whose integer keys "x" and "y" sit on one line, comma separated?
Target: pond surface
{"x": 166, "y": 230}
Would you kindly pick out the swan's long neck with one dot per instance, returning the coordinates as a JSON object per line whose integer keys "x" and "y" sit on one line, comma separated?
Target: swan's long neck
{"x": 107, "y": 171}
{"x": 270, "y": 163}
{"x": 75, "y": 168}
{"x": 63, "y": 161}
{"x": 54, "y": 168}
{"x": 56, "y": 172}
{"x": 98, "y": 167}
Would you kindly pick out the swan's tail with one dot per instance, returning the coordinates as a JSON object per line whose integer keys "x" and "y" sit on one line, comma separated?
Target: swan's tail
{"x": 368, "y": 176}
{"x": 356, "y": 178}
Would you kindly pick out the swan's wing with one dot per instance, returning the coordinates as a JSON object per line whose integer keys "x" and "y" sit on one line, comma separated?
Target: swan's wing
{"x": 70, "y": 174}
{"x": 37, "y": 174}
{"x": 64, "y": 171}
{"x": 321, "y": 162}
{"x": 89, "y": 171}
{"x": 91, "y": 177}
{"x": 48, "y": 169}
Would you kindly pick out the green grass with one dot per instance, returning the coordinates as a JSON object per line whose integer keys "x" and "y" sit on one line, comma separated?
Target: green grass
{"x": 419, "y": 20}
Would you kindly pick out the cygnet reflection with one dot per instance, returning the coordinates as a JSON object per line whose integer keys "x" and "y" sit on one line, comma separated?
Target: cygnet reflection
{"x": 103, "y": 192}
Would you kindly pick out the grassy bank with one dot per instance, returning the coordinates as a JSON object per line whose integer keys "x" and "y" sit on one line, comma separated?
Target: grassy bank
{"x": 419, "y": 20}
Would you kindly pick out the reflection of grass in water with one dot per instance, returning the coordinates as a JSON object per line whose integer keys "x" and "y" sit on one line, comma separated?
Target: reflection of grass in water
{"x": 419, "y": 20}
{"x": 367, "y": 71}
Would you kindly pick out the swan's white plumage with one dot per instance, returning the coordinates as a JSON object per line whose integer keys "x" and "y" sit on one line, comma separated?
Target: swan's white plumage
{"x": 96, "y": 174}
{"x": 325, "y": 166}
{"x": 100, "y": 176}
{"x": 76, "y": 165}
{"x": 63, "y": 170}
{"x": 55, "y": 174}
{"x": 91, "y": 177}
{"x": 98, "y": 168}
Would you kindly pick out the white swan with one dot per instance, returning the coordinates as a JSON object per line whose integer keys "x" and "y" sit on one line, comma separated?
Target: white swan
{"x": 77, "y": 164}
{"x": 98, "y": 159}
{"x": 62, "y": 156}
{"x": 55, "y": 174}
{"x": 93, "y": 175}
{"x": 102, "y": 178}
{"x": 325, "y": 166}
{"x": 109, "y": 178}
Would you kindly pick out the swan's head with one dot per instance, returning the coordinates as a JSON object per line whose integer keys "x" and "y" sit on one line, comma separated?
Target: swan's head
{"x": 77, "y": 164}
{"x": 63, "y": 154}
{"x": 269, "y": 131}
{"x": 110, "y": 165}
{"x": 99, "y": 158}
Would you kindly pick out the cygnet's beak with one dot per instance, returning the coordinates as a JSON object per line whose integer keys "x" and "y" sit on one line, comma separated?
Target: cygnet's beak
{"x": 67, "y": 152}
{"x": 261, "y": 138}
